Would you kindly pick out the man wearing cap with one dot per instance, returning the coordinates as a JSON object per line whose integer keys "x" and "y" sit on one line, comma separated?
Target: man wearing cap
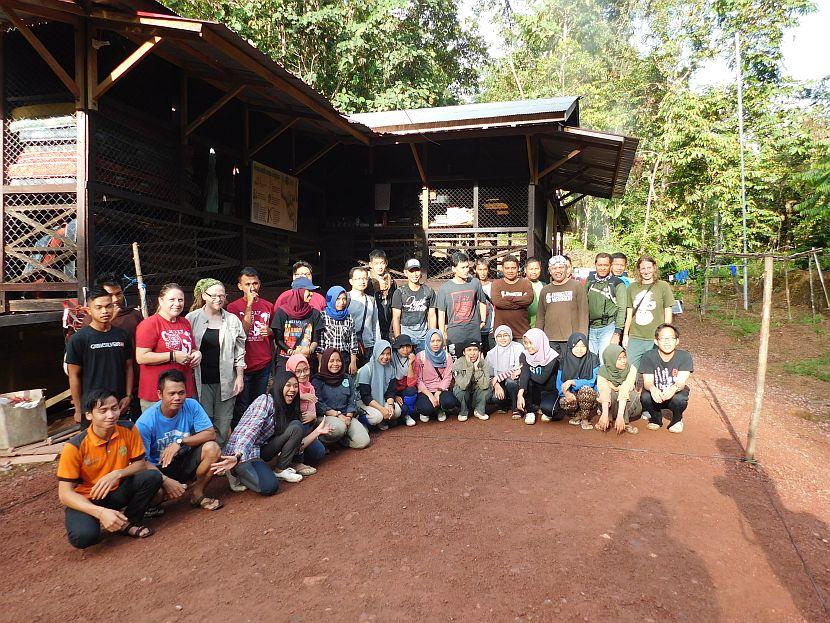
{"x": 302, "y": 269}
{"x": 473, "y": 382}
{"x": 296, "y": 324}
{"x": 511, "y": 297}
{"x": 563, "y": 305}
{"x": 413, "y": 307}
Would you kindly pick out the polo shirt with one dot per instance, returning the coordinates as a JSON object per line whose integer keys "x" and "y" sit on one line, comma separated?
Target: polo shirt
{"x": 86, "y": 458}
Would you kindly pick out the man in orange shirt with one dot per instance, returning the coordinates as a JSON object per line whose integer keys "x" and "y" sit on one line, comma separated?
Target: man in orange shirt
{"x": 104, "y": 480}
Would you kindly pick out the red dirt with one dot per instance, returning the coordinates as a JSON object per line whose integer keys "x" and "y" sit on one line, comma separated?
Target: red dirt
{"x": 480, "y": 521}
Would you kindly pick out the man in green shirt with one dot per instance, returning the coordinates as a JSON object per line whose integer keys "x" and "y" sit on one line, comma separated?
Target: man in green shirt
{"x": 606, "y": 305}
{"x": 533, "y": 271}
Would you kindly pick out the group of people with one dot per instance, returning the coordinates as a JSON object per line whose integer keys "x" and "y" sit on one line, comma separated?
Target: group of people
{"x": 261, "y": 392}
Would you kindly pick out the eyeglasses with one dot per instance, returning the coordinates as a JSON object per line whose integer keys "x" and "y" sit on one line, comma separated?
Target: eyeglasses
{"x": 667, "y": 338}
{"x": 215, "y": 296}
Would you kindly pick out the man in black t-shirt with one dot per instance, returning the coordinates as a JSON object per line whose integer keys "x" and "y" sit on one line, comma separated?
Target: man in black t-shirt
{"x": 413, "y": 307}
{"x": 666, "y": 371}
{"x": 100, "y": 356}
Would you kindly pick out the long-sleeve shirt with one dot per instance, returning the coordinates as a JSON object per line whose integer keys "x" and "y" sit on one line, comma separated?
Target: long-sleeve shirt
{"x": 607, "y": 299}
{"x": 430, "y": 378}
{"x": 533, "y": 308}
{"x": 541, "y": 375}
{"x": 578, "y": 383}
{"x": 366, "y": 391}
{"x": 467, "y": 373}
{"x": 254, "y": 429}
{"x": 338, "y": 334}
{"x": 340, "y": 398}
{"x": 511, "y": 301}
{"x": 364, "y": 312}
{"x": 563, "y": 310}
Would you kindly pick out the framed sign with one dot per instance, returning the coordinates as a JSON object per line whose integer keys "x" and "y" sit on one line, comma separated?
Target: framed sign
{"x": 273, "y": 197}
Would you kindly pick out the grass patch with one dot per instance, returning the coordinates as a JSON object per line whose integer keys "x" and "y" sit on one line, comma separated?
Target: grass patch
{"x": 817, "y": 367}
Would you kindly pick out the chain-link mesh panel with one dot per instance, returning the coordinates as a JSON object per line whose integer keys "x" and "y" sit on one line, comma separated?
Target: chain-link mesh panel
{"x": 502, "y": 206}
{"x": 491, "y": 246}
{"x": 451, "y": 206}
{"x": 40, "y": 238}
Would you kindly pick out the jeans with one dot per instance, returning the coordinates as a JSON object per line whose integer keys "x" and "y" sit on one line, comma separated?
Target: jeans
{"x": 313, "y": 452}
{"x": 255, "y": 384}
{"x": 285, "y": 445}
{"x": 219, "y": 411}
{"x": 257, "y": 476}
{"x": 472, "y": 397}
{"x": 599, "y": 338}
{"x": 511, "y": 391}
{"x": 135, "y": 493}
{"x": 677, "y": 405}
{"x": 446, "y": 402}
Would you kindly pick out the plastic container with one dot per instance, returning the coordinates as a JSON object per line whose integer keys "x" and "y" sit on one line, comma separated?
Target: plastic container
{"x": 22, "y": 424}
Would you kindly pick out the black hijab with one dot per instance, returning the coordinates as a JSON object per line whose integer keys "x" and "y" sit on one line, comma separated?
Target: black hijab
{"x": 284, "y": 412}
{"x": 574, "y": 367}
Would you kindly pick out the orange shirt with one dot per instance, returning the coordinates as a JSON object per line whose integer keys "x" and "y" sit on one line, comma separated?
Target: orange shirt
{"x": 86, "y": 458}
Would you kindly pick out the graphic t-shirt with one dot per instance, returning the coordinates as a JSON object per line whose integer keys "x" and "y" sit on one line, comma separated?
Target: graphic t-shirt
{"x": 163, "y": 336}
{"x": 460, "y": 302}
{"x": 291, "y": 334}
{"x": 158, "y": 432}
{"x": 102, "y": 357}
{"x": 414, "y": 306}
{"x": 258, "y": 349}
{"x": 665, "y": 372}
{"x": 651, "y": 302}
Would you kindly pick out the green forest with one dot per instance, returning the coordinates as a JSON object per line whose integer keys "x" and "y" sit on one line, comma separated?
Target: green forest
{"x": 637, "y": 64}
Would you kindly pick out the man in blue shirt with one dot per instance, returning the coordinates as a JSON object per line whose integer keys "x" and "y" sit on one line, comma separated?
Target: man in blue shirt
{"x": 180, "y": 442}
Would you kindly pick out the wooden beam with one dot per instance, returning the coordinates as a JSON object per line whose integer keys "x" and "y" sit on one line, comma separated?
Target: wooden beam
{"x": 530, "y": 164}
{"x": 565, "y": 206}
{"x": 315, "y": 158}
{"x": 62, "y": 6}
{"x": 561, "y": 161}
{"x": 45, "y": 54}
{"x": 420, "y": 166}
{"x": 571, "y": 177}
{"x": 48, "y": 11}
{"x": 125, "y": 66}
{"x": 271, "y": 137}
{"x": 227, "y": 97}
{"x": 171, "y": 22}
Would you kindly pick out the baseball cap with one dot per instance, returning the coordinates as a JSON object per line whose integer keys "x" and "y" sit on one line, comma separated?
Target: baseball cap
{"x": 412, "y": 264}
{"x": 557, "y": 259}
{"x": 402, "y": 340}
{"x": 304, "y": 283}
{"x": 475, "y": 343}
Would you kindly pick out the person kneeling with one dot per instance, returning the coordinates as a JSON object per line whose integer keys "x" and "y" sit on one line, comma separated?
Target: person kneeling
{"x": 473, "y": 382}
{"x": 180, "y": 442}
{"x": 433, "y": 367}
{"x": 377, "y": 385}
{"x": 617, "y": 395}
{"x": 104, "y": 480}
{"x": 577, "y": 382}
{"x": 666, "y": 373}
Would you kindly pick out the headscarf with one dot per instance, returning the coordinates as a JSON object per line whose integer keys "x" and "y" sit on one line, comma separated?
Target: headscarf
{"x": 305, "y": 386}
{"x": 283, "y": 412}
{"x": 295, "y": 306}
{"x": 202, "y": 286}
{"x": 609, "y": 369}
{"x": 504, "y": 358}
{"x": 401, "y": 365}
{"x": 439, "y": 359}
{"x": 375, "y": 375}
{"x": 544, "y": 353}
{"x": 330, "y": 378}
{"x": 331, "y": 298}
{"x": 574, "y": 367}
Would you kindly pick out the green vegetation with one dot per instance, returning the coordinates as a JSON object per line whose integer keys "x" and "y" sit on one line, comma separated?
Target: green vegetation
{"x": 817, "y": 367}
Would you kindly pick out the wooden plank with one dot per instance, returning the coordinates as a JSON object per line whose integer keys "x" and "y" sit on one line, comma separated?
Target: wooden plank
{"x": 29, "y": 458}
{"x": 560, "y": 162}
{"x": 57, "y": 6}
{"x": 28, "y": 450}
{"x": 69, "y": 187}
{"x": 56, "y": 399}
{"x": 530, "y": 164}
{"x": 51, "y": 286}
{"x": 44, "y": 9}
{"x": 565, "y": 206}
{"x": 125, "y": 66}
{"x": 41, "y": 49}
{"x": 420, "y": 166}
{"x": 271, "y": 137}
{"x": 315, "y": 158}
{"x": 34, "y": 305}
{"x": 2, "y": 172}
{"x": 227, "y": 97}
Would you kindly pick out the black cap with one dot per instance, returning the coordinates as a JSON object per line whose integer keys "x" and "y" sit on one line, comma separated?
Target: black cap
{"x": 475, "y": 343}
{"x": 402, "y": 340}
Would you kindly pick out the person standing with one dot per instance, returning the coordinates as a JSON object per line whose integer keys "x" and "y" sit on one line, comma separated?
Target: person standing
{"x": 482, "y": 271}
{"x": 100, "y": 355}
{"x": 302, "y": 270}
{"x": 666, "y": 371}
{"x": 382, "y": 287}
{"x": 650, "y": 302}
{"x": 255, "y": 314}
{"x": 533, "y": 272}
{"x": 338, "y": 328}
{"x": 297, "y": 325}
{"x": 461, "y": 305}
{"x": 619, "y": 265}
{"x": 364, "y": 311}
{"x": 413, "y": 307}
{"x": 606, "y": 305}
{"x": 563, "y": 306}
{"x": 163, "y": 342}
{"x": 512, "y": 295}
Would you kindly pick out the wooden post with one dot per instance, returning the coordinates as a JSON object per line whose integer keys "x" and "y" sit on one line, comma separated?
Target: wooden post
{"x": 142, "y": 289}
{"x": 812, "y": 289}
{"x": 763, "y": 348}
{"x": 705, "y": 302}
{"x": 787, "y": 289}
{"x": 2, "y": 169}
{"x": 821, "y": 278}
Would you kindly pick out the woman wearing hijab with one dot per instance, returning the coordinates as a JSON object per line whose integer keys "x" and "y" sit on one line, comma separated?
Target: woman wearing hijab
{"x": 504, "y": 359}
{"x": 377, "y": 384}
{"x": 270, "y": 428}
{"x": 537, "y": 390}
{"x": 338, "y": 328}
{"x": 433, "y": 367}
{"x": 577, "y": 382}
{"x": 617, "y": 395}
{"x": 406, "y": 388}
{"x": 337, "y": 398}
{"x": 296, "y": 324}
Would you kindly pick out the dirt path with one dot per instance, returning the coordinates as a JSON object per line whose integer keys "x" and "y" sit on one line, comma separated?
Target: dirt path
{"x": 480, "y": 521}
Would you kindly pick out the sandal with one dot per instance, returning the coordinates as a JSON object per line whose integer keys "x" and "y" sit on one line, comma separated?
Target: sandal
{"x": 586, "y": 425}
{"x": 632, "y": 430}
{"x": 137, "y": 532}
{"x": 209, "y": 504}
{"x": 575, "y": 421}
{"x": 304, "y": 470}
{"x": 154, "y": 511}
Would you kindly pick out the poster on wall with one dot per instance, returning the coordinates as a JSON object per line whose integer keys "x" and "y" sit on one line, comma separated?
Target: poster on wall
{"x": 273, "y": 197}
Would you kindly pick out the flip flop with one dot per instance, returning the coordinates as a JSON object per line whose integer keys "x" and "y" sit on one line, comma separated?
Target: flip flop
{"x": 137, "y": 532}
{"x": 209, "y": 504}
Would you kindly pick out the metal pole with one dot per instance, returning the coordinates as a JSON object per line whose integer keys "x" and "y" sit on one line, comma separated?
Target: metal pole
{"x": 739, "y": 69}
{"x": 763, "y": 349}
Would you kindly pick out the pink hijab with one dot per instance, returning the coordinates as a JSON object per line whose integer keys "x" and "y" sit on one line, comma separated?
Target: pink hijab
{"x": 544, "y": 353}
{"x": 305, "y": 387}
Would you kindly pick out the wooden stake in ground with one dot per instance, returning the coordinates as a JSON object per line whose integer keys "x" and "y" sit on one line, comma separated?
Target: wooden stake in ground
{"x": 812, "y": 290}
{"x": 821, "y": 278}
{"x": 142, "y": 292}
{"x": 787, "y": 289}
{"x": 763, "y": 349}
{"x": 705, "y": 303}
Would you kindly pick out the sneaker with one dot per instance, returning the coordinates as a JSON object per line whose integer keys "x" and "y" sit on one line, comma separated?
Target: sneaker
{"x": 303, "y": 470}
{"x": 289, "y": 475}
{"x": 575, "y": 421}
{"x": 546, "y": 418}
{"x": 235, "y": 484}
{"x": 645, "y": 417}
{"x": 481, "y": 416}
{"x": 442, "y": 416}
{"x": 653, "y": 426}
{"x": 530, "y": 418}
{"x": 462, "y": 418}
{"x": 409, "y": 421}
{"x": 517, "y": 415}
{"x": 423, "y": 418}
{"x": 633, "y": 430}
{"x": 383, "y": 426}
{"x": 676, "y": 428}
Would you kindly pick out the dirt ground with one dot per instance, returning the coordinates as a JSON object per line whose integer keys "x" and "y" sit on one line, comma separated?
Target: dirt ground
{"x": 476, "y": 521}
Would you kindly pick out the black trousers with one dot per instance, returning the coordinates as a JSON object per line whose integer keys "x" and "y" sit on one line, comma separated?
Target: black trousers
{"x": 540, "y": 397}
{"x": 286, "y": 445}
{"x": 446, "y": 401}
{"x": 511, "y": 392}
{"x": 677, "y": 405}
{"x": 134, "y": 494}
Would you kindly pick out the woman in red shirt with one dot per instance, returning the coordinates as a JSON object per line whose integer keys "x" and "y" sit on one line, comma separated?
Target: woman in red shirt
{"x": 164, "y": 341}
